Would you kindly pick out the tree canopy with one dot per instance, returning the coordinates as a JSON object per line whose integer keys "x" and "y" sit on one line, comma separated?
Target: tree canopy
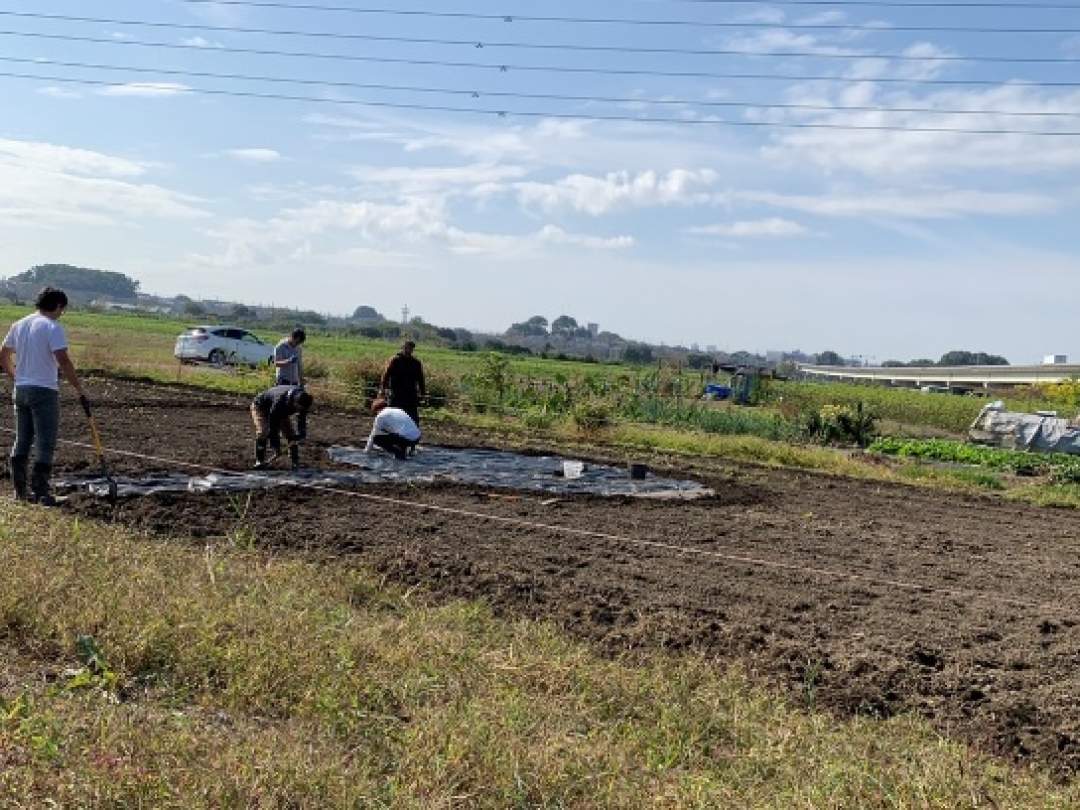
{"x": 829, "y": 358}
{"x": 85, "y": 279}
{"x": 965, "y": 358}
{"x": 366, "y": 313}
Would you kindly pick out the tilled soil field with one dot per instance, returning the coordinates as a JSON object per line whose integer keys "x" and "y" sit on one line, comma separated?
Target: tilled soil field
{"x": 806, "y": 580}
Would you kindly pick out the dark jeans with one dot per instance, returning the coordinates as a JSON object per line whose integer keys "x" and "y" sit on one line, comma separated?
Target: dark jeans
{"x": 393, "y": 443}
{"x": 37, "y": 421}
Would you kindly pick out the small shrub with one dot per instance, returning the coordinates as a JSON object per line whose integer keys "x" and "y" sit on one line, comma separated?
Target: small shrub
{"x": 441, "y": 389}
{"x": 538, "y": 418}
{"x": 841, "y": 424}
{"x": 591, "y": 415}
{"x": 315, "y": 369}
{"x": 361, "y": 380}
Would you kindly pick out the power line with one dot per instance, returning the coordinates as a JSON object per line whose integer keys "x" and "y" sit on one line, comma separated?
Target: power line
{"x": 507, "y": 113}
{"x": 517, "y": 67}
{"x": 875, "y": 4}
{"x": 543, "y": 46}
{"x": 479, "y": 94}
{"x": 528, "y": 18}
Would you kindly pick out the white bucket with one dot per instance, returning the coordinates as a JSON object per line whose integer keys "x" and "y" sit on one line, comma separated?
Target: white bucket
{"x": 573, "y": 469}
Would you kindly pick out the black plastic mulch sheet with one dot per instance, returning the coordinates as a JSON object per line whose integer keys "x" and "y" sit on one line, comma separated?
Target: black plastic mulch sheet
{"x": 486, "y": 468}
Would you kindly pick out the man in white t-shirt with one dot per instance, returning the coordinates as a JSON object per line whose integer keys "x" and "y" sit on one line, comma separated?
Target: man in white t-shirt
{"x": 35, "y": 351}
{"x": 394, "y": 431}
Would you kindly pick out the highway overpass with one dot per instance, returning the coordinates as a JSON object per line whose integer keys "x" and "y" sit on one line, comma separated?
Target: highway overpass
{"x": 947, "y": 376}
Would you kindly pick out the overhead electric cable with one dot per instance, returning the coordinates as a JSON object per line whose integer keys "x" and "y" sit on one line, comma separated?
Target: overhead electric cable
{"x": 922, "y": 4}
{"x": 531, "y": 18}
{"x": 480, "y": 94}
{"x": 507, "y": 113}
{"x": 543, "y": 46}
{"x": 509, "y": 67}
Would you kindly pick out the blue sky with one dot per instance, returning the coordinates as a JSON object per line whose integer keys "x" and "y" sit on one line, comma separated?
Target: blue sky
{"x": 879, "y": 243}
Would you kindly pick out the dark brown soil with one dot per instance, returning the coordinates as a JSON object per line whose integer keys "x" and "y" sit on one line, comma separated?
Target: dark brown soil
{"x": 986, "y": 669}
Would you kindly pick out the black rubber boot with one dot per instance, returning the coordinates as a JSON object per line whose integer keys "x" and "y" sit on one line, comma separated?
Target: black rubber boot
{"x": 39, "y": 485}
{"x": 18, "y": 477}
{"x": 294, "y": 456}
{"x": 260, "y": 454}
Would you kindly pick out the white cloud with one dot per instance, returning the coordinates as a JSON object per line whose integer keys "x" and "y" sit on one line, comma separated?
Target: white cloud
{"x": 58, "y": 92}
{"x": 774, "y": 227}
{"x": 890, "y": 152}
{"x": 406, "y": 180}
{"x": 400, "y": 227}
{"x": 200, "y": 42}
{"x": 43, "y": 184}
{"x": 907, "y": 204}
{"x": 557, "y": 236}
{"x": 255, "y": 155}
{"x": 599, "y": 195}
{"x": 64, "y": 159}
{"x": 146, "y": 89}
{"x": 782, "y": 40}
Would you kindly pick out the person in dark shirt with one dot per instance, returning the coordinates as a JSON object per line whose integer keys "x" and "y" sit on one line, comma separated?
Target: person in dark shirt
{"x": 403, "y": 381}
{"x": 271, "y": 411}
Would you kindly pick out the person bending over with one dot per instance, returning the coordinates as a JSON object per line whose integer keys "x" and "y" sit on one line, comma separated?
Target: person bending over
{"x": 40, "y": 351}
{"x": 271, "y": 411}
{"x": 394, "y": 431}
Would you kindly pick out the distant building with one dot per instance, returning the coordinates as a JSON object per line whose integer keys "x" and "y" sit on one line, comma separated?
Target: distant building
{"x": 1056, "y": 360}
{"x": 774, "y": 357}
{"x": 594, "y": 329}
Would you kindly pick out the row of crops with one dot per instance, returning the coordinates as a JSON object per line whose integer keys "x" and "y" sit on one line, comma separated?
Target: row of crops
{"x": 1061, "y": 467}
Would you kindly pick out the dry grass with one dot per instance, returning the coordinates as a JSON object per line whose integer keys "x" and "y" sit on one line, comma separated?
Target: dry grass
{"x": 229, "y": 678}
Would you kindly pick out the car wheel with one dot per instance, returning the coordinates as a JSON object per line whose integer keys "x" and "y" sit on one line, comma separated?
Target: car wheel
{"x": 217, "y": 357}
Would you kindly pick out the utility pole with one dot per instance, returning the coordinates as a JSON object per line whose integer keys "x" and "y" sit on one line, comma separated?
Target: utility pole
{"x": 405, "y": 315}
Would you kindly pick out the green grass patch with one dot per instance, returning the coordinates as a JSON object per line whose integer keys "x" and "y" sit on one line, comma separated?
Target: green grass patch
{"x": 955, "y": 478}
{"x": 223, "y": 678}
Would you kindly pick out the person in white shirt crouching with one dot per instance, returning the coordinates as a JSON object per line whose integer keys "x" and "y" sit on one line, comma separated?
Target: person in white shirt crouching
{"x": 394, "y": 431}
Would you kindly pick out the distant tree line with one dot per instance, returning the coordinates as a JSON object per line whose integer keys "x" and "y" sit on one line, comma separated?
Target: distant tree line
{"x": 953, "y": 358}
{"x": 86, "y": 280}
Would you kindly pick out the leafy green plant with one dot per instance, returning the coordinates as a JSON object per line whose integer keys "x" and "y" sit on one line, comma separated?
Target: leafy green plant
{"x": 841, "y": 424}
{"x": 95, "y": 672}
{"x": 592, "y": 414}
{"x": 1061, "y": 467}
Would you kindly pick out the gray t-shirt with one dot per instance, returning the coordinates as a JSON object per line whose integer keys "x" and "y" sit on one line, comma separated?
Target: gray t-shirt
{"x": 290, "y": 374}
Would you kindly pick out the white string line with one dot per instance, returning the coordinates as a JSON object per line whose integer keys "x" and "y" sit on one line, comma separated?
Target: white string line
{"x": 959, "y": 593}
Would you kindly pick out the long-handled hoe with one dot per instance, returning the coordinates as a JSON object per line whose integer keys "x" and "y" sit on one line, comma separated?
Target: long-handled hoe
{"x": 113, "y": 489}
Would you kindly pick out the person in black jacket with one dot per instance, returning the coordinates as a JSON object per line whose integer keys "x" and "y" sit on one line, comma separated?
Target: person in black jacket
{"x": 403, "y": 382}
{"x": 271, "y": 411}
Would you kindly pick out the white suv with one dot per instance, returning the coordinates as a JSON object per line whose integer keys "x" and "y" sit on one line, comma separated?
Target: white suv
{"x": 222, "y": 345}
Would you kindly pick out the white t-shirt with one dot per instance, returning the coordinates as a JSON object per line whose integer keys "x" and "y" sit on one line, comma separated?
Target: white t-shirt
{"x": 393, "y": 422}
{"x": 34, "y": 339}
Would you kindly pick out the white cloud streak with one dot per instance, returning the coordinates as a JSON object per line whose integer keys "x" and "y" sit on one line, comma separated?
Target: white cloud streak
{"x": 255, "y": 155}
{"x": 772, "y": 228}
{"x": 145, "y": 90}
{"x": 599, "y": 195}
